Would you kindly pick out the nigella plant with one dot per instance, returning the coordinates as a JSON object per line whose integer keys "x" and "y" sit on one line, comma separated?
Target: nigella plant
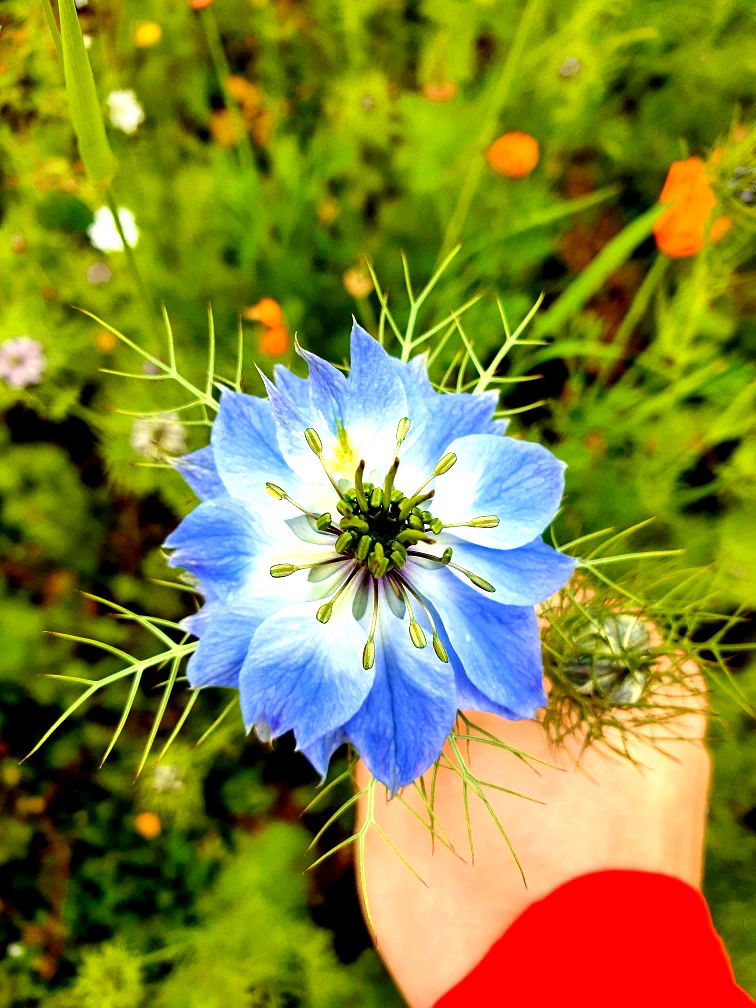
{"x": 366, "y": 556}
{"x": 369, "y": 552}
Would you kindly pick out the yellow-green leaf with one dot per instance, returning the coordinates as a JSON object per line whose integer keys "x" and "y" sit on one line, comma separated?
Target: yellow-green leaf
{"x": 86, "y": 114}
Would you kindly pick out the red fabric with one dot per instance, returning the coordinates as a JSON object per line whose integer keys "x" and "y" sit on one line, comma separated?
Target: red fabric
{"x": 615, "y": 939}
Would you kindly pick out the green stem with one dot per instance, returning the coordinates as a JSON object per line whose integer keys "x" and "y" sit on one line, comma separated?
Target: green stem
{"x": 634, "y": 314}
{"x": 144, "y": 294}
{"x": 223, "y": 72}
{"x": 498, "y": 98}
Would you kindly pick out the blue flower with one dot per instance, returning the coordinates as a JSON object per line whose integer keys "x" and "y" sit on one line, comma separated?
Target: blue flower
{"x": 369, "y": 552}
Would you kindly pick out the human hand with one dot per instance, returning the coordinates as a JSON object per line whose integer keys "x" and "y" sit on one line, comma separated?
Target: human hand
{"x": 598, "y": 811}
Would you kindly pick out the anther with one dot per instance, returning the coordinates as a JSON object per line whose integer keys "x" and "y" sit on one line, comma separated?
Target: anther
{"x": 313, "y": 441}
{"x": 323, "y": 521}
{"x": 402, "y": 430}
{"x": 343, "y": 542}
{"x": 356, "y": 523}
{"x": 275, "y": 491}
{"x": 368, "y": 652}
{"x": 376, "y": 498}
{"x": 416, "y": 634}
{"x": 325, "y": 611}
{"x": 415, "y": 630}
{"x": 443, "y": 466}
{"x": 282, "y": 570}
{"x": 438, "y": 647}
{"x": 363, "y": 548}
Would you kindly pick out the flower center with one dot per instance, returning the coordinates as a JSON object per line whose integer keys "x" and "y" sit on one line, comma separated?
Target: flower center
{"x": 378, "y": 528}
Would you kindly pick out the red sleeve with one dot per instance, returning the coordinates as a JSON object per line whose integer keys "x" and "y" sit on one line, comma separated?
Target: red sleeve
{"x": 624, "y": 939}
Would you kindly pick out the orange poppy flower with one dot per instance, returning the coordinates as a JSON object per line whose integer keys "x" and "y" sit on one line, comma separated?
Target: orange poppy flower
{"x": 680, "y": 231}
{"x": 274, "y": 341}
{"x": 148, "y": 825}
{"x": 267, "y": 312}
{"x": 440, "y": 91}
{"x": 513, "y": 155}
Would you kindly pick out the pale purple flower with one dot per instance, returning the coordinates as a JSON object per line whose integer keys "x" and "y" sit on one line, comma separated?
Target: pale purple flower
{"x": 22, "y": 362}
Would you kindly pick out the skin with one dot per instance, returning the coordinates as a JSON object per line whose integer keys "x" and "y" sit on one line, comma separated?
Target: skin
{"x": 598, "y": 812}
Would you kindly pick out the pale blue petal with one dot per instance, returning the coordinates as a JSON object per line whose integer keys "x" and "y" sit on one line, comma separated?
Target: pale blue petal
{"x": 401, "y": 727}
{"x": 373, "y": 382}
{"x": 498, "y": 645}
{"x": 246, "y": 448}
{"x": 328, "y": 391}
{"x": 223, "y": 645}
{"x": 322, "y": 749}
{"x": 291, "y": 421}
{"x": 523, "y": 576}
{"x": 519, "y": 482}
{"x": 297, "y": 389}
{"x": 200, "y": 472}
{"x": 303, "y": 676}
{"x": 218, "y": 542}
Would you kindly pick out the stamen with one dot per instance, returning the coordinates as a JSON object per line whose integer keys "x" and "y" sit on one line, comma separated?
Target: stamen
{"x": 438, "y": 647}
{"x": 446, "y": 561}
{"x": 316, "y": 447}
{"x": 415, "y": 630}
{"x": 280, "y": 570}
{"x": 326, "y": 610}
{"x": 484, "y": 522}
{"x": 278, "y": 494}
{"x": 368, "y": 652}
{"x": 443, "y": 466}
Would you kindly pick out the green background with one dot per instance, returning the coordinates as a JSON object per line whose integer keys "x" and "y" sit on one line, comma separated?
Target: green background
{"x": 339, "y": 150}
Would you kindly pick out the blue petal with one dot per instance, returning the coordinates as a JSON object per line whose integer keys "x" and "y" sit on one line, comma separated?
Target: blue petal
{"x": 436, "y": 420}
{"x": 519, "y": 482}
{"x": 218, "y": 542}
{"x": 328, "y": 388}
{"x": 322, "y": 749}
{"x": 498, "y": 645}
{"x": 303, "y": 676}
{"x": 373, "y": 382}
{"x": 401, "y": 727}
{"x": 297, "y": 389}
{"x": 469, "y": 697}
{"x": 245, "y": 446}
{"x": 523, "y": 576}
{"x": 223, "y": 645}
{"x": 291, "y": 420}
{"x": 199, "y": 471}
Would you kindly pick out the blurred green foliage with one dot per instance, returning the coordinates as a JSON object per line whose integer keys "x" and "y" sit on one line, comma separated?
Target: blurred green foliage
{"x": 281, "y": 143}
